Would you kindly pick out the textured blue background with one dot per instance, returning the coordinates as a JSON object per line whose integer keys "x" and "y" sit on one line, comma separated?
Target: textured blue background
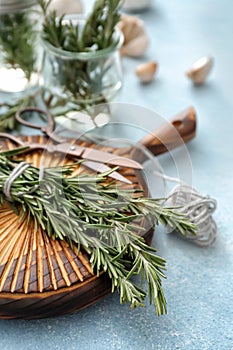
{"x": 199, "y": 287}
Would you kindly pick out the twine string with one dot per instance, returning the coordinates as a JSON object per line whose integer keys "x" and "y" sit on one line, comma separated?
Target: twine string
{"x": 16, "y": 172}
{"x": 197, "y": 208}
{"x": 14, "y": 175}
{"x": 41, "y": 176}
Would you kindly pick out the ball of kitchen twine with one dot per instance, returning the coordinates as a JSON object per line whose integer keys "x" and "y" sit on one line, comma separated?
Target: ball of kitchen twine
{"x": 198, "y": 209}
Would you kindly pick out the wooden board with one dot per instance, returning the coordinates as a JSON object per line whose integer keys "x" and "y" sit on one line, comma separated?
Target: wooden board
{"x": 42, "y": 277}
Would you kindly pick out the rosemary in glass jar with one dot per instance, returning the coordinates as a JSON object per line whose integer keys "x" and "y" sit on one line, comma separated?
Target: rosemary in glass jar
{"x": 82, "y": 64}
{"x": 19, "y": 25}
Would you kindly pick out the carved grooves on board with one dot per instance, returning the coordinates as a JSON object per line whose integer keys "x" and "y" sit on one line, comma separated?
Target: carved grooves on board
{"x": 30, "y": 261}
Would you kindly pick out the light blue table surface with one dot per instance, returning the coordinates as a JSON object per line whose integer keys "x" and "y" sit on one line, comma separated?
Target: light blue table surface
{"x": 199, "y": 285}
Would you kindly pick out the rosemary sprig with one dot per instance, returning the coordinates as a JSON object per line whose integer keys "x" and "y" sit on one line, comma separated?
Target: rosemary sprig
{"x": 97, "y": 34}
{"x": 100, "y": 26}
{"x": 17, "y": 37}
{"x": 100, "y": 218}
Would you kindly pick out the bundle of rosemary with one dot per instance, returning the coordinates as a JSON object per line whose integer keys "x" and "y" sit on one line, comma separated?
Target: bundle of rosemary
{"x": 100, "y": 218}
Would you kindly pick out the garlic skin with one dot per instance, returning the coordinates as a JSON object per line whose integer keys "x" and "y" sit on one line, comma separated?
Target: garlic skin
{"x": 66, "y": 7}
{"x": 200, "y": 70}
{"x": 136, "y": 40}
{"x": 146, "y": 71}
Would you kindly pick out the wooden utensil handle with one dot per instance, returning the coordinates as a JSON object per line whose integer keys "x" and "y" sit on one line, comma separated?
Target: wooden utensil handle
{"x": 179, "y": 130}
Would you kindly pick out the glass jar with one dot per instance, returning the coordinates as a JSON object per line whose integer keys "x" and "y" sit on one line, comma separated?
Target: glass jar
{"x": 132, "y": 5}
{"x": 19, "y": 25}
{"x": 82, "y": 78}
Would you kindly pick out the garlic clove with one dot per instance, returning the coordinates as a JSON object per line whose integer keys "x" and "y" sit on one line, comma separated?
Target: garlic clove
{"x": 136, "y": 40}
{"x": 200, "y": 70}
{"x": 146, "y": 71}
{"x": 136, "y": 47}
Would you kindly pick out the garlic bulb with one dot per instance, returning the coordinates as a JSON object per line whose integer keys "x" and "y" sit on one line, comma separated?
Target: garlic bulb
{"x": 135, "y": 38}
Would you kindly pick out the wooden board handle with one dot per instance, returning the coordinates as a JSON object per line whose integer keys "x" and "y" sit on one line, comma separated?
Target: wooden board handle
{"x": 179, "y": 130}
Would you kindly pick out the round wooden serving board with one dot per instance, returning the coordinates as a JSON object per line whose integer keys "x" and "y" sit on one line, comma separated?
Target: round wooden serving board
{"x": 43, "y": 277}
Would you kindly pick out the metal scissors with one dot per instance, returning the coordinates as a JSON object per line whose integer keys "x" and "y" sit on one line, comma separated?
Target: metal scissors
{"x": 94, "y": 159}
